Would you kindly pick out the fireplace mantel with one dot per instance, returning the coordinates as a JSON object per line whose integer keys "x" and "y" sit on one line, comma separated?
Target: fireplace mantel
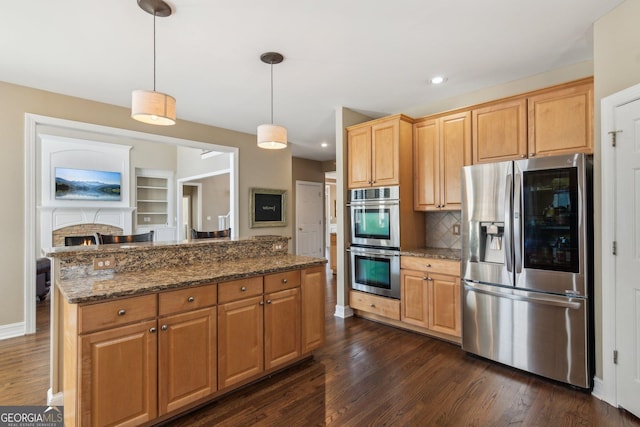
{"x": 54, "y": 218}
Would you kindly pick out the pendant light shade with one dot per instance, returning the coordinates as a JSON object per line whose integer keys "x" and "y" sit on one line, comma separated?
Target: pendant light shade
{"x": 148, "y": 106}
{"x": 153, "y": 107}
{"x": 272, "y": 137}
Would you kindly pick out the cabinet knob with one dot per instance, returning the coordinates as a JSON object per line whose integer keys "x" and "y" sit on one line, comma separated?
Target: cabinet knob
{"x": 268, "y": 301}
{"x": 191, "y": 299}
{"x": 427, "y": 265}
{"x": 285, "y": 281}
{"x": 429, "y": 279}
{"x": 164, "y": 327}
{"x": 372, "y": 305}
{"x": 243, "y": 289}
{"x": 523, "y": 156}
{"x": 261, "y": 302}
{"x": 122, "y": 312}
{"x": 532, "y": 154}
{"x": 153, "y": 330}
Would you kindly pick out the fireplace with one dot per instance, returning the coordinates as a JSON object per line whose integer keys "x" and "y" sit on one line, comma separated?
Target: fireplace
{"x": 58, "y": 223}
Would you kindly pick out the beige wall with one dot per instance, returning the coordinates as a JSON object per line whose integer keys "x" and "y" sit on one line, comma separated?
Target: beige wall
{"x": 257, "y": 168}
{"x": 616, "y": 66}
{"x": 215, "y": 200}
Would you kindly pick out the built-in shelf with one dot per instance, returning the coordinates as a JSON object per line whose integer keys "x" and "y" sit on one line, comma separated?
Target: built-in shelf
{"x": 153, "y": 198}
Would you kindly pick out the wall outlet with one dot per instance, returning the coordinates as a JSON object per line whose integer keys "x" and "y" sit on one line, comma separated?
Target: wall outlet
{"x": 278, "y": 246}
{"x": 456, "y": 229}
{"x": 104, "y": 263}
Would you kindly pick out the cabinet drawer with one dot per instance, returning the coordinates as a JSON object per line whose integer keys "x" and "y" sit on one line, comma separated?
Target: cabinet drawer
{"x": 187, "y": 299}
{"x": 104, "y": 315}
{"x": 280, "y": 281}
{"x": 382, "y": 306}
{"x": 434, "y": 265}
{"x": 237, "y": 289}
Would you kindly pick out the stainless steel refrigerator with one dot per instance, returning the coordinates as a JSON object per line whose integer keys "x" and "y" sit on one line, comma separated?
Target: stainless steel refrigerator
{"x": 527, "y": 265}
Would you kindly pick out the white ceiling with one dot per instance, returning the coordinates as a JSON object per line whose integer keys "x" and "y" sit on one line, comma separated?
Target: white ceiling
{"x": 373, "y": 56}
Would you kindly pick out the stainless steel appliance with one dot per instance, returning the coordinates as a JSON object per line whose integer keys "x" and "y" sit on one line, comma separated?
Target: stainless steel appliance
{"x": 375, "y": 270}
{"x": 527, "y": 265}
{"x": 375, "y": 217}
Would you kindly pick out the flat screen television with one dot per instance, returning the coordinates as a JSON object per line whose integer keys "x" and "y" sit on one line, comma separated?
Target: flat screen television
{"x": 83, "y": 184}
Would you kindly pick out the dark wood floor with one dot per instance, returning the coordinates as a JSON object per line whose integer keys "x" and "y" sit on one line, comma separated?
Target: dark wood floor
{"x": 367, "y": 374}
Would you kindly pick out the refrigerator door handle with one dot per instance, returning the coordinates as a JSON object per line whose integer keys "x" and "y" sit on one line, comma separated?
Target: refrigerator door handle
{"x": 517, "y": 221}
{"x": 556, "y": 302}
{"x": 508, "y": 241}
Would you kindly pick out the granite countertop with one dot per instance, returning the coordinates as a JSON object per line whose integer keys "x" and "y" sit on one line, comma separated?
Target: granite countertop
{"x": 111, "y": 285}
{"x": 438, "y": 253}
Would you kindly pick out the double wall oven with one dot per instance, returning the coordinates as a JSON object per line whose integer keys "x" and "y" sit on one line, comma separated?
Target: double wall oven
{"x": 375, "y": 240}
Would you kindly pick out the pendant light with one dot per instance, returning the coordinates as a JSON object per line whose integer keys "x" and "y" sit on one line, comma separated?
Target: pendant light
{"x": 272, "y": 137}
{"x": 147, "y": 106}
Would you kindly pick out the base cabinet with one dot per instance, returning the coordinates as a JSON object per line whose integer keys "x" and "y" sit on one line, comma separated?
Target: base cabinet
{"x": 186, "y": 358}
{"x": 241, "y": 345}
{"x": 281, "y": 327}
{"x": 312, "y": 292}
{"x": 118, "y": 376}
{"x": 430, "y": 295}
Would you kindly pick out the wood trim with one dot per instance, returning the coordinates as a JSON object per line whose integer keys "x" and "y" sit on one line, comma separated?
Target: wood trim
{"x": 400, "y": 117}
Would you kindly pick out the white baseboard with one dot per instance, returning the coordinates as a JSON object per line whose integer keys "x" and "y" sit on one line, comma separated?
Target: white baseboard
{"x": 12, "y": 330}
{"x": 54, "y": 399}
{"x": 598, "y": 388}
{"x": 343, "y": 311}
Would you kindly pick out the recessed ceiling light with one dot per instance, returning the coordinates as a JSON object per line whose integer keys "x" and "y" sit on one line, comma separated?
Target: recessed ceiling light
{"x": 437, "y": 80}
{"x": 324, "y": 145}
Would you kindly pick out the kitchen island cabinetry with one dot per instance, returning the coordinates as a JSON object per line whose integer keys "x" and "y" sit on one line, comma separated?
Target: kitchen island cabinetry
{"x": 138, "y": 347}
{"x": 377, "y": 151}
{"x": 441, "y": 146}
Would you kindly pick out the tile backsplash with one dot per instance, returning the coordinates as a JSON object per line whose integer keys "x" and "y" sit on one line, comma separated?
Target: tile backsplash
{"x": 439, "y": 230}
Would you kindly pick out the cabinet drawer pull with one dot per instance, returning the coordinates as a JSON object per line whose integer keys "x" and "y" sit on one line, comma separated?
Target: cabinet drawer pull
{"x": 425, "y": 278}
{"x": 427, "y": 266}
{"x": 164, "y": 327}
{"x": 261, "y": 302}
{"x": 122, "y": 312}
{"x": 268, "y": 301}
{"x": 191, "y": 299}
{"x": 153, "y": 330}
{"x": 429, "y": 278}
{"x": 372, "y": 305}
{"x": 285, "y": 281}
{"x": 243, "y": 289}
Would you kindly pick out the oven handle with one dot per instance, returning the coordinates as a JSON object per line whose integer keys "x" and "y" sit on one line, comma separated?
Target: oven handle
{"x": 374, "y": 203}
{"x": 373, "y": 252}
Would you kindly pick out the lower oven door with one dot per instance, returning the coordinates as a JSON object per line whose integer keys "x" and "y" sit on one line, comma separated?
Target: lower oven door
{"x": 376, "y": 271}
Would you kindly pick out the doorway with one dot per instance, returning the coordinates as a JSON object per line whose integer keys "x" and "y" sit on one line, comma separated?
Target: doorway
{"x": 309, "y": 215}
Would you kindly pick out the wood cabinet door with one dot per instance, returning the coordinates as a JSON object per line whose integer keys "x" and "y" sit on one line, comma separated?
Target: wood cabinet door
{"x": 561, "y": 121}
{"x": 187, "y": 358}
{"x": 359, "y": 157}
{"x": 281, "y": 327}
{"x": 240, "y": 341}
{"x": 444, "y": 304}
{"x": 385, "y": 153}
{"x": 415, "y": 298}
{"x": 455, "y": 152}
{"x": 312, "y": 306}
{"x": 426, "y": 157}
{"x": 500, "y": 132}
{"x": 118, "y": 370}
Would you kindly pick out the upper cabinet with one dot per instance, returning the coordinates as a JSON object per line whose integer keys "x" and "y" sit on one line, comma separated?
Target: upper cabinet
{"x": 375, "y": 151}
{"x": 441, "y": 146}
{"x": 557, "y": 120}
{"x": 500, "y": 131}
{"x": 561, "y": 121}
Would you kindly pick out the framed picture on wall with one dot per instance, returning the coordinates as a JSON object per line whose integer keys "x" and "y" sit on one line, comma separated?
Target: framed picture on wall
{"x": 268, "y": 208}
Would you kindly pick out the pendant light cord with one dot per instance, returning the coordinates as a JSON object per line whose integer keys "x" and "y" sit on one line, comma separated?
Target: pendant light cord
{"x": 154, "y": 50}
{"x": 271, "y": 92}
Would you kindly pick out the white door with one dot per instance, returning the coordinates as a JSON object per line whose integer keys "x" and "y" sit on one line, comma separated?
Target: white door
{"x": 309, "y": 213}
{"x": 627, "y": 260}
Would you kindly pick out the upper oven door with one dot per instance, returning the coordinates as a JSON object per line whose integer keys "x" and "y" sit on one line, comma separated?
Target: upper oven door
{"x": 375, "y": 223}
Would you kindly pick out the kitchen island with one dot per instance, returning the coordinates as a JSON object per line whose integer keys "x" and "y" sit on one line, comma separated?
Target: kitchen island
{"x": 144, "y": 332}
